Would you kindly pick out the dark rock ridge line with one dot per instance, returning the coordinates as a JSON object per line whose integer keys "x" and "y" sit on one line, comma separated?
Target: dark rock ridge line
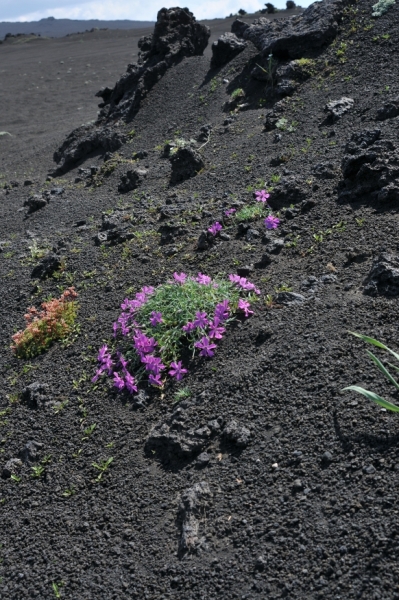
{"x": 316, "y": 27}
{"x": 176, "y": 35}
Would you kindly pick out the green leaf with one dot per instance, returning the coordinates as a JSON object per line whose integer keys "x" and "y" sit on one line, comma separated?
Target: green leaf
{"x": 383, "y": 369}
{"x": 369, "y": 340}
{"x": 373, "y": 397}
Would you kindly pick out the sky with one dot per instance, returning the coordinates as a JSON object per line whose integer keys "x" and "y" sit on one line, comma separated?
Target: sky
{"x": 135, "y": 10}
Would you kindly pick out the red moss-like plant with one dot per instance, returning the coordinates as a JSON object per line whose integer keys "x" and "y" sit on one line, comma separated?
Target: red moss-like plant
{"x": 54, "y": 322}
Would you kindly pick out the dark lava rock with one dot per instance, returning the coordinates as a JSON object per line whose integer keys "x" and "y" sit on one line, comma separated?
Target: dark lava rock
{"x": 176, "y": 34}
{"x": 11, "y": 467}
{"x": 293, "y": 37}
{"x": 35, "y": 202}
{"x": 289, "y": 190}
{"x": 204, "y": 133}
{"x": 225, "y": 48}
{"x": 46, "y": 267}
{"x": 237, "y": 434}
{"x": 100, "y": 238}
{"x": 383, "y": 278}
{"x": 260, "y": 563}
{"x": 245, "y": 270}
{"x": 327, "y": 458}
{"x": 290, "y": 298}
{"x": 131, "y": 180}
{"x": 36, "y": 395}
{"x": 58, "y": 191}
{"x": 371, "y": 169}
{"x": 193, "y": 503}
{"x": 273, "y": 245}
{"x": 174, "y": 438}
{"x": 30, "y": 452}
{"x": 186, "y": 163}
{"x": 203, "y": 241}
{"x": 202, "y": 460}
{"x": 337, "y": 108}
{"x": 325, "y": 170}
{"x": 388, "y": 111}
{"x": 84, "y": 140}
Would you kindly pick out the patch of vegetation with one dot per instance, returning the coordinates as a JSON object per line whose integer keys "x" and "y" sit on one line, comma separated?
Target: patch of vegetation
{"x": 54, "y": 322}
{"x": 382, "y": 7}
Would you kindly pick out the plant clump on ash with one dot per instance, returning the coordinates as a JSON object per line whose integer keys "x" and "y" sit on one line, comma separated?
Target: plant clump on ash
{"x": 160, "y": 324}
{"x": 54, "y": 322}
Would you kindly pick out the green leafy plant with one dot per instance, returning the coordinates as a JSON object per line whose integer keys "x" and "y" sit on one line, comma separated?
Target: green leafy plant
{"x": 182, "y": 394}
{"x": 102, "y": 467}
{"x": 89, "y": 431}
{"x": 382, "y": 7}
{"x": 38, "y": 471}
{"x": 56, "y": 589}
{"x": 283, "y": 288}
{"x": 371, "y": 395}
{"x": 250, "y": 213}
{"x": 54, "y": 322}
{"x": 238, "y": 93}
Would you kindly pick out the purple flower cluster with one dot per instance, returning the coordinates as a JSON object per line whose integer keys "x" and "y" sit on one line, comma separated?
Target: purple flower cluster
{"x": 129, "y": 307}
{"x": 215, "y": 228}
{"x": 107, "y": 366}
{"x": 212, "y": 328}
{"x": 244, "y": 284}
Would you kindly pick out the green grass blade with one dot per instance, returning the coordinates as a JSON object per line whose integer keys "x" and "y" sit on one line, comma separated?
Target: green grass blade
{"x": 373, "y": 397}
{"x": 370, "y": 340}
{"x": 383, "y": 370}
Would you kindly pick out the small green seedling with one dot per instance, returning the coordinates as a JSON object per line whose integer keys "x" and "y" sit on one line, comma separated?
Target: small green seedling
{"x": 69, "y": 492}
{"x": 88, "y": 431}
{"x": 103, "y": 467}
{"x": 371, "y": 395}
{"x": 15, "y": 478}
{"x": 56, "y": 589}
{"x": 38, "y": 471}
{"x": 182, "y": 394}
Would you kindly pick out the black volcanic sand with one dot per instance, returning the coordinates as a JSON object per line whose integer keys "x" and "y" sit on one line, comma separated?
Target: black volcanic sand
{"x": 308, "y": 509}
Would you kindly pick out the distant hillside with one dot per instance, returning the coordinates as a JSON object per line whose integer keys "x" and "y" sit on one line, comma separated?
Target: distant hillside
{"x": 52, "y": 27}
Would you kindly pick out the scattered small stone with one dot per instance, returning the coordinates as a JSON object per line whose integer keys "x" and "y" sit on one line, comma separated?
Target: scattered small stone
{"x": 202, "y": 460}
{"x": 11, "y": 467}
{"x": 224, "y": 236}
{"x": 326, "y": 458}
{"x": 383, "y": 278}
{"x": 337, "y": 108}
{"x": 245, "y": 270}
{"x": 131, "y": 180}
{"x": 36, "y": 395}
{"x": 46, "y": 267}
{"x": 290, "y": 298}
{"x": 28, "y": 182}
{"x": 368, "y": 469}
{"x": 58, "y": 191}
{"x": 390, "y": 110}
{"x": 297, "y": 486}
{"x": 203, "y": 242}
{"x": 193, "y": 504}
{"x": 35, "y": 203}
{"x": 186, "y": 162}
{"x": 30, "y": 452}
{"x": 260, "y": 563}
{"x": 237, "y": 434}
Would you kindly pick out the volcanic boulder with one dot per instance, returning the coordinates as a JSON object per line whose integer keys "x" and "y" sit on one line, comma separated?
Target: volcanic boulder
{"x": 176, "y": 35}
{"x": 295, "y": 36}
{"x": 226, "y": 48}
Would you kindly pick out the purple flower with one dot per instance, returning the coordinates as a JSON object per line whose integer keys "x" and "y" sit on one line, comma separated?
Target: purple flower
{"x": 200, "y": 320}
{"x": 155, "y": 380}
{"x": 262, "y": 196}
{"x": 153, "y": 363}
{"x": 215, "y": 330}
{"x": 222, "y": 310}
{"x": 118, "y": 382}
{"x": 189, "y": 327}
{"x": 99, "y": 372}
{"x": 148, "y": 290}
{"x": 141, "y": 297}
{"x": 179, "y": 278}
{"x": 235, "y": 278}
{"x": 203, "y": 279}
{"x": 177, "y": 370}
{"x": 229, "y": 212}
{"x": 130, "y": 383}
{"x": 215, "y": 228}
{"x": 103, "y": 353}
{"x": 206, "y": 346}
{"x": 115, "y": 328}
{"x": 143, "y": 344}
{"x": 271, "y": 222}
{"x": 156, "y": 317}
{"x": 245, "y": 306}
